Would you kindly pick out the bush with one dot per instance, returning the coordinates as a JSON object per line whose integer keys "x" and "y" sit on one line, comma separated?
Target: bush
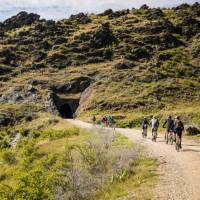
{"x": 38, "y": 182}
{"x": 91, "y": 166}
{"x": 58, "y": 134}
{"x": 9, "y": 157}
{"x": 25, "y": 132}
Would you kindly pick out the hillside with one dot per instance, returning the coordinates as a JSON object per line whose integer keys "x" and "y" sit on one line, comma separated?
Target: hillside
{"x": 129, "y": 63}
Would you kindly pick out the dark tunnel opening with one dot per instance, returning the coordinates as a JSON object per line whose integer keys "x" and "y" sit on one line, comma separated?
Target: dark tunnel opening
{"x": 66, "y": 111}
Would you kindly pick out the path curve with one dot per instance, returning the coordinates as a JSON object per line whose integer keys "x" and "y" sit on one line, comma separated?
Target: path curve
{"x": 179, "y": 172}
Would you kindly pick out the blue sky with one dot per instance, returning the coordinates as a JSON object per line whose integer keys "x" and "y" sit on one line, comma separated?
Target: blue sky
{"x": 58, "y": 9}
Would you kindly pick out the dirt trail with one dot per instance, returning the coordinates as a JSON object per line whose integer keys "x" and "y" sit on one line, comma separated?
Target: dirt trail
{"x": 179, "y": 172}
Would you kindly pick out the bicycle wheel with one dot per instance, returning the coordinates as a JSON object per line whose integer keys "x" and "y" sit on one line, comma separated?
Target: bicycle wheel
{"x": 166, "y": 138}
{"x": 177, "y": 144}
{"x": 171, "y": 139}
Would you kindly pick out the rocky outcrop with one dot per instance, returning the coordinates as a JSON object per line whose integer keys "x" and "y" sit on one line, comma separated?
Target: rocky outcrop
{"x": 81, "y": 18}
{"x": 188, "y": 27}
{"x": 7, "y": 56}
{"x": 125, "y": 64}
{"x": 21, "y": 19}
{"x": 103, "y": 37}
{"x": 144, "y": 7}
{"x": 50, "y": 105}
{"x": 117, "y": 14}
{"x": 75, "y": 86}
{"x": 20, "y": 94}
{"x": 154, "y": 14}
{"x": 9, "y": 118}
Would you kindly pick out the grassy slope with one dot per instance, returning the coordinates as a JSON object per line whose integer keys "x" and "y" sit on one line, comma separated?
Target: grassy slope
{"x": 113, "y": 91}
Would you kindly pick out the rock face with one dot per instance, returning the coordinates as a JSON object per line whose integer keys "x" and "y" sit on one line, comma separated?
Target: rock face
{"x": 8, "y": 118}
{"x": 75, "y": 86}
{"x": 50, "y": 105}
{"x": 20, "y": 95}
{"x": 21, "y": 19}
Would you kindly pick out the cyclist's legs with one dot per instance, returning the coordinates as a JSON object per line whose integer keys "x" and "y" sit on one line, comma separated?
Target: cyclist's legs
{"x": 167, "y": 135}
{"x": 175, "y": 136}
{"x": 179, "y": 136}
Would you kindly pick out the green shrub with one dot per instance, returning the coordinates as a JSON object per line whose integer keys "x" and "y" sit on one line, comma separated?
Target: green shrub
{"x": 25, "y": 132}
{"x": 9, "y": 157}
{"x": 36, "y": 183}
{"x": 3, "y": 176}
{"x": 4, "y": 143}
{"x": 58, "y": 134}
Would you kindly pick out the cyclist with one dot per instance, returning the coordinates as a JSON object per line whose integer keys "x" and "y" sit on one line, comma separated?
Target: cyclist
{"x": 145, "y": 124}
{"x": 179, "y": 128}
{"x": 169, "y": 123}
{"x": 154, "y": 124}
{"x": 105, "y": 121}
{"x": 110, "y": 121}
{"x": 93, "y": 119}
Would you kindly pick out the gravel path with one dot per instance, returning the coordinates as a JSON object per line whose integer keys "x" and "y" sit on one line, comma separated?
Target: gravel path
{"x": 179, "y": 172}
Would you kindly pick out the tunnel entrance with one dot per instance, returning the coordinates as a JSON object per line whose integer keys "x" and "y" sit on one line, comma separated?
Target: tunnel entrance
{"x": 66, "y": 111}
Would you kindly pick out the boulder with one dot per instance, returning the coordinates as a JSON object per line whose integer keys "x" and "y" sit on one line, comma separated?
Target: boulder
{"x": 192, "y": 130}
{"x": 125, "y": 64}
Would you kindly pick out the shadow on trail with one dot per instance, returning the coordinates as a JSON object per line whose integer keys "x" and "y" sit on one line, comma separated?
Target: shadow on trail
{"x": 190, "y": 150}
{"x": 192, "y": 145}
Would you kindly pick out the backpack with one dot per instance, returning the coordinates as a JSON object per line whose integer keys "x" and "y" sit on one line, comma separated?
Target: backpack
{"x": 179, "y": 126}
{"x": 155, "y": 123}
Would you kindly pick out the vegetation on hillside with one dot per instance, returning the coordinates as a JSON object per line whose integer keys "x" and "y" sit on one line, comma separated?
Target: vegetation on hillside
{"x": 140, "y": 61}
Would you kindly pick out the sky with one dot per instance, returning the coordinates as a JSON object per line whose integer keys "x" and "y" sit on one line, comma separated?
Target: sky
{"x": 59, "y": 9}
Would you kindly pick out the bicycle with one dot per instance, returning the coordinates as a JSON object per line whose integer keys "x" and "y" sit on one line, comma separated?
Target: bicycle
{"x": 166, "y": 137}
{"x": 178, "y": 143}
{"x": 144, "y": 133}
{"x": 154, "y": 135}
{"x": 171, "y": 137}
